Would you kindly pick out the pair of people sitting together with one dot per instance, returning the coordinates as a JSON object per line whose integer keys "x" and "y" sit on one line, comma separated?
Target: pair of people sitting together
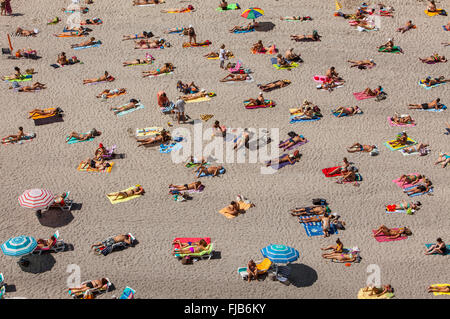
{"x": 63, "y": 60}
{"x": 187, "y": 88}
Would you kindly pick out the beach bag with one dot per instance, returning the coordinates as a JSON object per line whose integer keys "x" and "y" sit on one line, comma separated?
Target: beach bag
{"x": 319, "y": 201}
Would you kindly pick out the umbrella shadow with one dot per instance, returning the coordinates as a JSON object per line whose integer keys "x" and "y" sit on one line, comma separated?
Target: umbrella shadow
{"x": 56, "y": 218}
{"x": 302, "y": 275}
{"x": 264, "y": 26}
{"x": 38, "y": 263}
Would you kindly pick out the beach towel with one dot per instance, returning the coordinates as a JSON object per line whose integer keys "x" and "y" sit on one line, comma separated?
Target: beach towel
{"x": 278, "y": 67}
{"x": 339, "y": 85}
{"x": 220, "y": 172}
{"x": 437, "y": 12}
{"x": 435, "y": 110}
{"x": 35, "y": 117}
{"x": 73, "y": 140}
{"x": 148, "y": 131}
{"x": 382, "y": 238}
{"x": 86, "y": 168}
{"x": 248, "y": 80}
{"x": 242, "y": 205}
{"x": 138, "y": 107}
{"x": 167, "y": 148}
{"x": 122, "y": 200}
{"x": 267, "y": 103}
{"x": 362, "y": 96}
{"x": 445, "y": 28}
{"x": 175, "y": 191}
{"x": 192, "y": 164}
{"x": 202, "y": 99}
{"x": 244, "y": 31}
{"x": 402, "y": 125}
{"x": 421, "y": 83}
{"x": 365, "y": 295}
{"x": 315, "y": 228}
{"x": 152, "y": 76}
{"x": 22, "y": 78}
{"x": 298, "y": 144}
{"x": 399, "y": 183}
{"x": 189, "y": 241}
{"x": 336, "y": 114}
{"x": 399, "y": 211}
{"x": 327, "y": 171}
{"x": 389, "y": 144}
{"x": 230, "y": 6}
{"x": 201, "y": 44}
{"x": 321, "y": 78}
{"x": 128, "y": 293}
{"x": 440, "y": 293}
{"x": 99, "y": 43}
{"x": 183, "y": 11}
{"x": 417, "y": 194}
{"x": 299, "y": 118}
{"x": 425, "y": 152}
{"x": 361, "y": 29}
{"x": 447, "y": 251}
{"x": 395, "y": 49}
{"x": 48, "y": 120}
{"x": 269, "y": 50}
{"x": 26, "y": 138}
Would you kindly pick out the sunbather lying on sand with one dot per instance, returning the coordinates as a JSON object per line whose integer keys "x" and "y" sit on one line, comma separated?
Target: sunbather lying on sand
{"x": 362, "y": 63}
{"x": 352, "y": 110}
{"x": 248, "y": 27}
{"x": 190, "y": 248}
{"x": 167, "y": 68}
{"x": 143, "y": 35}
{"x": 91, "y": 41}
{"x": 14, "y": 137}
{"x": 105, "y": 77}
{"x": 435, "y": 58}
{"x": 149, "y": 44}
{"x": 409, "y": 25}
{"x": 126, "y": 238}
{"x": 433, "y": 81}
{"x": 438, "y": 248}
{"x": 210, "y": 170}
{"x": 181, "y": 10}
{"x": 109, "y": 93}
{"x": 411, "y": 179}
{"x": 235, "y": 77}
{"x": 297, "y": 18}
{"x": 312, "y": 37}
{"x": 424, "y": 106}
{"x": 258, "y": 101}
{"x": 357, "y": 147}
{"x": 338, "y": 248}
{"x": 378, "y": 292}
{"x": 311, "y": 210}
{"x": 187, "y": 88}
{"x": 26, "y": 33}
{"x": 420, "y": 148}
{"x": 194, "y": 96}
{"x": 274, "y": 85}
{"x": 94, "y": 284}
{"x": 186, "y": 187}
{"x": 444, "y": 159}
{"x": 392, "y": 233}
{"x": 51, "y": 112}
{"x": 402, "y": 119}
{"x": 325, "y": 220}
{"x": 422, "y": 188}
{"x": 163, "y": 137}
{"x": 138, "y": 190}
{"x": 30, "y": 88}
{"x": 148, "y": 59}
{"x": 295, "y": 157}
{"x": 85, "y": 136}
{"x": 294, "y": 139}
{"x": 439, "y": 289}
{"x": 144, "y": 2}
{"x": 131, "y": 105}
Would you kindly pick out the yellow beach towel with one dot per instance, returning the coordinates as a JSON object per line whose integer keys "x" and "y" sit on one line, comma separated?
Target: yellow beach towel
{"x": 121, "y": 200}
{"x": 295, "y": 112}
{"x": 35, "y": 117}
{"x": 86, "y": 168}
{"x": 365, "y": 295}
{"x": 432, "y": 14}
{"x": 225, "y": 211}
{"x": 200, "y": 99}
{"x": 440, "y": 293}
{"x": 398, "y": 146}
{"x": 148, "y": 131}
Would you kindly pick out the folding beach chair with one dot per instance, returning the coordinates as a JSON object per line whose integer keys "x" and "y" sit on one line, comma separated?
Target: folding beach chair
{"x": 128, "y": 293}
{"x": 282, "y": 273}
{"x": 91, "y": 291}
{"x": 67, "y": 206}
{"x": 57, "y": 245}
{"x": 242, "y": 271}
{"x": 206, "y": 254}
{"x": 264, "y": 266}
{"x": 236, "y": 68}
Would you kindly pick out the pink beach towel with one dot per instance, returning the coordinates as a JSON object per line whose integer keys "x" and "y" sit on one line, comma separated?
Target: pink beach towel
{"x": 362, "y": 96}
{"x": 401, "y": 125}
{"x": 382, "y": 238}
{"x": 321, "y": 78}
{"x": 399, "y": 183}
{"x": 190, "y": 240}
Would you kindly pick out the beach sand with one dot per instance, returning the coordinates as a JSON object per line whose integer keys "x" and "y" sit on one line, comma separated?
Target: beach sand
{"x": 155, "y": 219}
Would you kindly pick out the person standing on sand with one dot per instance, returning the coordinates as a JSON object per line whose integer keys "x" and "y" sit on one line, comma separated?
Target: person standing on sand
{"x": 222, "y": 56}
{"x": 6, "y": 8}
{"x": 191, "y": 34}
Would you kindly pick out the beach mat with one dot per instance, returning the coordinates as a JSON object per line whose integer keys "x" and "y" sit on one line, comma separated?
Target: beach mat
{"x": 421, "y": 83}
{"x": 315, "y": 228}
{"x": 395, "y": 49}
{"x": 399, "y": 183}
{"x": 382, "y": 238}
{"x": 90, "y": 169}
{"x": 362, "y": 96}
{"x": 23, "y": 78}
{"x": 437, "y": 12}
{"x": 244, "y": 31}
{"x": 327, "y": 171}
{"x": 244, "y": 206}
{"x": 230, "y": 6}
{"x": 27, "y": 138}
{"x": 417, "y": 194}
{"x": 296, "y": 119}
{"x": 221, "y": 171}
{"x": 336, "y": 114}
{"x": 268, "y": 103}
{"x": 139, "y": 106}
{"x": 197, "y": 45}
{"x": 88, "y": 46}
{"x": 409, "y": 142}
{"x": 447, "y": 252}
{"x": 154, "y": 76}
{"x": 122, "y": 200}
{"x": 167, "y": 148}
{"x": 200, "y": 99}
{"x": 48, "y": 120}
{"x": 444, "y": 107}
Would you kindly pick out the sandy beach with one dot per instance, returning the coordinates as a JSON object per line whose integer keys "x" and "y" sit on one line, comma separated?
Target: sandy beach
{"x": 155, "y": 219}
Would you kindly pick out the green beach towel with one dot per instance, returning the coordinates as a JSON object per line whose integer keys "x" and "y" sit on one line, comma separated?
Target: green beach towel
{"x": 395, "y": 49}
{"x": 231, "y": 6}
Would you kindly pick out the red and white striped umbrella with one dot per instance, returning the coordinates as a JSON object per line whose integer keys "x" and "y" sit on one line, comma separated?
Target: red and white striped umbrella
{"x": 36, "y": 198}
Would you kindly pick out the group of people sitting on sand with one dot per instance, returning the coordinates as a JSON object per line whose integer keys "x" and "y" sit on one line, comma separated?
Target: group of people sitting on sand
{"x": 98, "y": 162}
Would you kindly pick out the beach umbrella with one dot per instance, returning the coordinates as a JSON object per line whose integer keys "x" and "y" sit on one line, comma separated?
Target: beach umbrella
{"x": 252, "y": 13}
{"x": 19, "y": 246}
{"x": 36, "y": 198}
{"x": 280, "y": 253}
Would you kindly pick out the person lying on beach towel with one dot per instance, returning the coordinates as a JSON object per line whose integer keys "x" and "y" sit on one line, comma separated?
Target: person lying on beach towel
{"x": 189, "y": 8}
{"x": 26, "y": 53}
{"x": 274, "y": 85}
{"x": 401, "y": 140}
{"x": 374, "y": 92}
{"x": 362, "y": 64}
{"x": 235, "y": 77}
{"x": 83, "y": 137}
{"x": 402, "y": 119}
{"x": 435, "y": 58}
{"x": 338, "y": 248}
{"x": 144, "y": 2}
{"x": 94, "y": 284}
{"x": 91, "y": 41}
{"x": 95, "y": 21}
{"x": 296, "y": 18}
{"x": 194, "y": 96}
{"x": 105, "y": 94}
{"x": 306, "y": 105}
{"x": 404, "y": 205}
{"x": 131, "y": 105}
{"x": 411, "y": 179}
{"x": 234, "y": 209}
{"x": 443, "y": 159}
{"x": 39, "y": 112}
{"x": 429, "y": 81}
{"x": 16, "y": 76}
{"x": 69, "y": 33}
{"x": 426, "y": 106}
{"x": 14, "y": 137}
{"x": 422, "y": 188}
{"x": 138, "y": 190}
{"x": 420, "y": 148}
{"x": 148, "y": 60}
{"x": 439, "y": 289}
{"x": 344, "y": 257}
{"x": 293, "y": 158}
{"x": 311, "y": 210}
{"x": 190, "y": 248}
{"x": 302, "y": 37}
{"x": 349, "y": 111}
{"x": 167, "y": 68}
{"x": 106, "y": 77}
{"x": 80, "y": 9}
{"x": 409, "y": 25}
{"x": 282, "y": 62}
{"x": 388, "y": 46}
{"x": 214, "y": 55}
{"x": 125, "y": 238}
{"x": 392, "y": 233}
{"x": 357, "y": 147}
{"x": 143, "y": 35}
{"x": 294, "y": 139}
{"x": 186, "y": 187}
{"x": 29, "y": 88}
{"x": 149, "y": 44}
{"x": 258, "y": 101}
{"x": 325, "y": 220}
{"x": 54, "y": 21}
{"x": 97, "y": 162}
{"x": 349, "y": 176}
{"x": 289, "y": 55}
{"x": 438, "y": 248}
{"x": 187, "y": 88}
{"x": 210, "y": 171}
{"x": 163, "y": 137}
{"x": 248, "y": 27}
{"x": 378, "y": 291}
{"x": 26, "y": 33}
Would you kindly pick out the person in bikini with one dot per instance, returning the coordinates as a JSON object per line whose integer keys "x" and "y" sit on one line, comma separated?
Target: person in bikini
{"x": 258, "y": 101}
{"x": 103, "y": 78}
{"x": 138, "y": 190}
{"x": 144, "y": 2}
{"x": 148, "y": 60}
{"x": 401, "y": 140}
{"x": 30, "y": 88}
{"x": 443, "y": 159}
{"x": 91, "y": 41}
{"x": 375, "y": 92}
{"x": 439, "y": 289}
{"x": 375, "y": 291}
{"x": 312, "y": 210}
{"x": 149, "y": 44}
{"x": 258, "y": 47}
{"x": 248, "y": 27}
{"x": 311, "y": 37}
{"x": 348, "y": 177}
{"x": 392, "y": 233}
{"x": 296, "y": 18}
{"x": 110, "y": 93}
{"x": 192, "y": 186}
{"x": 404, "y": 205}
{"x": 292, "y": 141}
{"x": 210, "y": 171}
{"x": 274, "y": 85}
{"x": 420, "y": 148}
{"x": 167, "y": 68}
{"x": 435, "y": 58}
{"x": 332, "y": 74}
{"x": 292, "y": 159}
{"x": 194, "y": 96}
{"x": 39, "y": 112}
{"x": 235, "y": 77}
{"x": 325, "y": 220}
{"x": 143, "y": 35}
{"x": 362, "y": 63}
{"x": 190, "y": 248}
{"x": 429, "y": 81}
{"x": 163, "y": 137}
{"x": 402, "y": 119}
{"x": 83, "y": 137}
{"x": 17, "y": 75}
{"x": 438, "y": 248}
{"x": 343, "y": 168}
{"x": 409, "y": 25}
{"x": 388, "y": 46}
{"x": 425, "y": 106}
{"x": 14, "y": 137}
{"x": 281, "y": 61}
{"x": 420, "y": 189}
{"x": 411, "y": 179}
{"x": 94, "y": 284}
{"x": 349, "y": 111}
{"x": 357, "y": 147}
{"x": 126, "y": 238}
{"x": 26, "y": 33}
{"x": 289, "y": 55}
{"x": 338, "y": 248}
{"x": 131, "y": 105}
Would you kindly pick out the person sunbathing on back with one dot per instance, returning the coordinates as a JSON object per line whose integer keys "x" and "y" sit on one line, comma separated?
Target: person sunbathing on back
{"x": 14, "y": 137}
{"x": 167, "y": 68}
{"x": 186, "y": 187}
{"x": 105, "y": 77}
{"x": 312, "y": 37}
{"x": 420, "y": 189}
{"x": 435, "y": 58}
{"x": 439, "y": 289}
{"x": 402, "y": 119}
{"x": 190, "y": 248}
{"x": 144, "y": 2}
{"x": 26, "y": 33}
{"x": 357, "y": 147}
{"x": 115, "y": 240}
{"x": 235, "y": 77}
{"x": 362, "y": 63}
{"x": 312, "y": 210}
{"x": 285, "y": 158}
{"x": 110, "y": 93}
{"x": 138, "y": 190}
{"x": 392, "y": 233}
{"x": 187, "y": 9}
{"x": 94, "y": 284}
{"x": 91, "y": 41}
{"x": 83, "y": 137}
{"x": 296, "y": 18}
{"x": 347, "y": 110}
{"x": 429, "y": 82}
{"x": 163, "y": 137}
{"x": 294, "y": 139}
{"x": 143, "y": 35}
{"x": 248, "y": 27}
{"x": 210, "y": 170}
{"x": 30, "y": 88}
{"x": 194, "y": 96}
{"x": 131, "y": 105}
{"x": 39, "y": 112}
{"x": 421, "y": 148}
{"x": 375, "y": 92}
{"x": 375, "y": 291}
{"x": 425, "y": 106}
{"x": 409, "y": 25}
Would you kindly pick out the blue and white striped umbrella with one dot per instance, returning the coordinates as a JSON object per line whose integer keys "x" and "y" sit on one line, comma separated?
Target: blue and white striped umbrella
{"x": 280, "y": 253}
{"x": 19, "y": 246}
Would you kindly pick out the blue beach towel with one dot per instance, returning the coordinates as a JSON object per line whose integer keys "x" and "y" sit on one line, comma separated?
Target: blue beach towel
{"x": 243, "y": 31}
{"x": 435, "y": 110}
{"x": 167, "y": 148}
{"x": 139, "y": 106}
{"x": 429, "y": 87}
{"x": 343, "y": 114}
{"x": 447, "y": 252}
{"x": 74, "y": 140}
{"x": 295, "y": 119}
{"x": 315, "y": 228}
{"x": 89, "y": 46}
{"x": 222, "y": 171}
{"x": 409, "y": 188}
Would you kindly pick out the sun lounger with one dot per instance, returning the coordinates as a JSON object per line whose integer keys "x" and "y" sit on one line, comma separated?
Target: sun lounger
{"x": 93, "y": 291}
{"x": 67, "y": 204}
{"x": 57, "y": 246}
{"x": 206, "y": 254}
{"x": 110, "y": 245}
{"x": 282, "y": 273}
{"x": 128, "y": 293}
